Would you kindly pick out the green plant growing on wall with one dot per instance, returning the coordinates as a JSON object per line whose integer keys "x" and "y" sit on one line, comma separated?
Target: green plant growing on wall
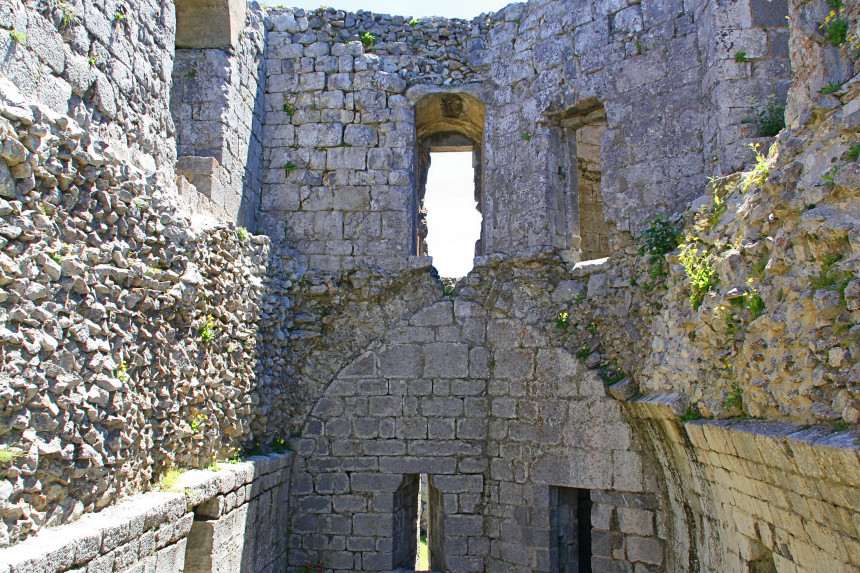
{"x": 58, "y": 253}
{"x": 692, "y": 413}
{"x": 449, "y": 291}
{"x": 741, "y": 57}
{"x": 562, "y": 320}
{"x": 169, "y": 479}
{"x": 660, "y": 238}
{"x": 9, "y": 453}
{"x": 207, "y": 331}
{"x": 67, "y": 15}
{"x": 701, "y": 274}
{"x": 197, "y": 422}
{"x": 279, "y": 446}
{"x": 769, "y": 118}
{"x": 290, "y": 110}
{"x": 368, "y": 39}
{"x": 760, "y": 170}
{"x": 611, "y": 373}
{"x": 735, "y": 399}
{"x": 835, "y": 28}
{"x": 18, "y": 37}
{"x": 527, "y": 136}
{"x": 830, "y": 176}
{"x": 414, "y": 22}
{"x": 753, "y": 302}
{"x": 830, "y": 278}
{"x": 119, "y": 17}
{"x": 242, "y": 234}
{"x": 831, "y": 88}
{"x": 853, "y": 152}
{"x": 289, "y": 166}
{"x": 121, "y": 373}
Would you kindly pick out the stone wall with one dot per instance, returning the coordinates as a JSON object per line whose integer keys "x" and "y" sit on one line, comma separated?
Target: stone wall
{"x": 228, "y": 519}
{"x": 217, "y": 106}
{"x": 745, "y": 57}
{"x": 489, "y": 408}
{"x": 128, "y": 336}
{"x": 340, "y": 140}
{"x": 103, "y": 63}
{"x": 752, "y": 495}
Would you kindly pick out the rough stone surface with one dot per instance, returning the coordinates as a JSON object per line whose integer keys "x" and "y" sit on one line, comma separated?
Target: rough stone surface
{"x": 141, "y": 330}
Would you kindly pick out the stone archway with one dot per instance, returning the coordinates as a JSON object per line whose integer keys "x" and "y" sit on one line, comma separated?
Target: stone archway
{"x": 505, "y": 424}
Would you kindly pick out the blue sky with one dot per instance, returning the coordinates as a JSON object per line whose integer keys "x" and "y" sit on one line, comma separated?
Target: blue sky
{"x": 466, "y": 9}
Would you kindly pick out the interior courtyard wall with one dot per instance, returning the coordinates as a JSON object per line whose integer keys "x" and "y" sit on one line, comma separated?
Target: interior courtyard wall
{"x": 217, "y": 107}
{"x": 104, "y": 65}
{"x": 339, "y": 137}
{"x": 486, "y": 406}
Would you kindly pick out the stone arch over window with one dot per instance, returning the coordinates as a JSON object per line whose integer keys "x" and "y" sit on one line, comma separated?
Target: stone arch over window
{"x": 202, "y": 24}
{"x": 446, "y": 122}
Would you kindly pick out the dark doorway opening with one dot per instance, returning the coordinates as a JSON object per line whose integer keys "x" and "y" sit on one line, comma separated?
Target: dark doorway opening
{"x": 571, "y": 530}
{"x": 417, "y": 525}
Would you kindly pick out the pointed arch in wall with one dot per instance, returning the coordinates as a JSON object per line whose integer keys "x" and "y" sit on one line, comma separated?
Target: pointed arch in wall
{"x": 202, "y": 24}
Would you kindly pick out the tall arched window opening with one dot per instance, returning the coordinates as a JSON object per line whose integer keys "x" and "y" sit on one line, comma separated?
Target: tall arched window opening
{"x": 448, "y": 225}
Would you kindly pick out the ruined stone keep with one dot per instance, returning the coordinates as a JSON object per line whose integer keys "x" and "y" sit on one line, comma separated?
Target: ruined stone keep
{"x": 223, "y": 346}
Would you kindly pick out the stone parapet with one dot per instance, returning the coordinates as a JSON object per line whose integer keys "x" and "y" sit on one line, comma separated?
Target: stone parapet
{"x": 166, "y": 531}
{"x": 741, "y": 493}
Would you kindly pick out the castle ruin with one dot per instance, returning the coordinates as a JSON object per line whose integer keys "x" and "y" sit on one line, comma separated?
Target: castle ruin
{"x": 224, "y": 347}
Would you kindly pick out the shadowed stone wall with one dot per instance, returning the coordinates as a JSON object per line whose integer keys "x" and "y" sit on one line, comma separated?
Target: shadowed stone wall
{"x": 217, "y": 106}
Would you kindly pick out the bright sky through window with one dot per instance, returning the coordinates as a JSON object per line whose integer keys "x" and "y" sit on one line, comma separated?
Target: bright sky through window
{"x": 453, "y": 220}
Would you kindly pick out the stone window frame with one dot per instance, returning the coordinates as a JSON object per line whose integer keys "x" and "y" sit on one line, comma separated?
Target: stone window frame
{"x": 447, "y": 122}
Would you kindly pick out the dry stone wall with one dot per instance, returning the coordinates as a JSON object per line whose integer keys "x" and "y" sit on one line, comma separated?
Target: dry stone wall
{"x": 106, "y": 64}
{"x": 128, "y": 336}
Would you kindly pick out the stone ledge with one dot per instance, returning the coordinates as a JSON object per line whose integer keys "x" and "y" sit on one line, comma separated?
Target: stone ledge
{"x": 842, "y": 448}
{"x": 57, "y": 549}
